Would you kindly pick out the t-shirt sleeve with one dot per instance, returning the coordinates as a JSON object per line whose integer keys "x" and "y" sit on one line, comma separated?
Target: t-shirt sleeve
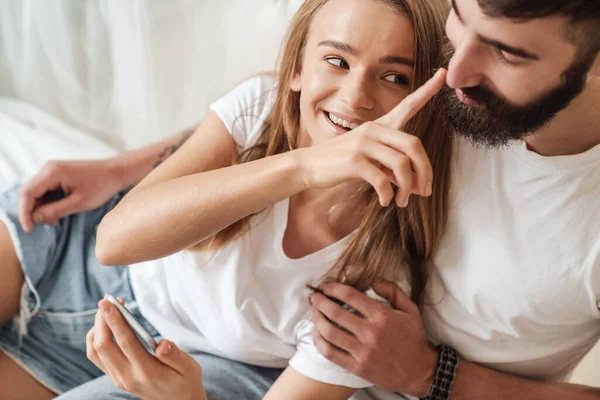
{"x": 309, "y": 362}
{"x": 596, "y": 280}
{"x": 246, "y": 108}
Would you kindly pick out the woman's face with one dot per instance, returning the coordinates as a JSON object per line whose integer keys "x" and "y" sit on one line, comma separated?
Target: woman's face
{"x": 357, "y": 66}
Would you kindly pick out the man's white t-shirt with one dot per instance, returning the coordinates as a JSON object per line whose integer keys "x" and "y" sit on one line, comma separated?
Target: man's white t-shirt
{"x": 515, "y": 284}
{"x": 247, "y": 301}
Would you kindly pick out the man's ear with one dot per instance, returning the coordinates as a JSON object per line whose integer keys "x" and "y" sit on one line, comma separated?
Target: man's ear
{"x": 296, "y": 83}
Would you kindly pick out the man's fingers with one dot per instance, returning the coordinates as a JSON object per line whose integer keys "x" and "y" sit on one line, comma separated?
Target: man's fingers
{"x": 332, "y": 353}
{"x": 352, "y": 297}
{"x": 335, "y": 335}
{"x": 51, "y": 212}
{"x": 414, "y": 102}
{"x": 336, "y": 313}
{"x": 395, "y": 296}
{"x": 28, "y": 195}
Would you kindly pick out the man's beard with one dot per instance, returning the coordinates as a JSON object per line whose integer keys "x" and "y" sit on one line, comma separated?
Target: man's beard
{"x": 500, "y": 121}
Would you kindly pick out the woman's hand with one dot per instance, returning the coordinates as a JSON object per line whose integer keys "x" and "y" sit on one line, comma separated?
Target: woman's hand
{"x": 85, "y": 185}
{"x": 173, "y": 374}
{"x": 378, "y": 152}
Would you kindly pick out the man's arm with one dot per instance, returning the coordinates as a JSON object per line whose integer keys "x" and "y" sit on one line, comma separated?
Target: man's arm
{"x": 476, "y": 382}
{"x": 389, "y": 348}
{"x": 132, "y": 166}
{"x": 68, "y": 187}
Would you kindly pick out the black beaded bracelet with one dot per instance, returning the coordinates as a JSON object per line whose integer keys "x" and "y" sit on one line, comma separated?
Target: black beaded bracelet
{"x": 445, "y": 372}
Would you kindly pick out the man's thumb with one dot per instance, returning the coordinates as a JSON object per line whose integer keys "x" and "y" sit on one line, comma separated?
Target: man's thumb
{"x": 394, "y": 295}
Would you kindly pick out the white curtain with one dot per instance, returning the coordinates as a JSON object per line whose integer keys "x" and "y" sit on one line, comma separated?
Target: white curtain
{"x": 132, "y": 71}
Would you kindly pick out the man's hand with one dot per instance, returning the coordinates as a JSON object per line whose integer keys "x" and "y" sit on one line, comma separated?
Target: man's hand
{"x": 85, "y": 184}
{"x": 387, "y": 347}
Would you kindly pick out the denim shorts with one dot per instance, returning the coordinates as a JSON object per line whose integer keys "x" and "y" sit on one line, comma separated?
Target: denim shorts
{"x": 63, "y": 284}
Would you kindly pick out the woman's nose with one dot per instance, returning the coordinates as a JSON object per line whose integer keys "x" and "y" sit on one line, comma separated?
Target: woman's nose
{"x": 356, "y": 93}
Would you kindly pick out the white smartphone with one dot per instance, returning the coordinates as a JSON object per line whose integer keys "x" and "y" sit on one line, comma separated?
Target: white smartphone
{"x": 141, "y": 332}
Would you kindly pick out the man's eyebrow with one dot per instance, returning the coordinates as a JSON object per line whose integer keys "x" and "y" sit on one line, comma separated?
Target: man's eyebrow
{"x": 517, "y": 51}
{"x": 346, "y": 48}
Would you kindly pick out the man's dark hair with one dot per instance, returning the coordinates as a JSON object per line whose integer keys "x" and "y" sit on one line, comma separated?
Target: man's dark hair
{"x": 584, "y": 16}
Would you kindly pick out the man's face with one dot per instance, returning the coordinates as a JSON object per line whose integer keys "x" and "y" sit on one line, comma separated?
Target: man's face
{"x": 507, "y": 79}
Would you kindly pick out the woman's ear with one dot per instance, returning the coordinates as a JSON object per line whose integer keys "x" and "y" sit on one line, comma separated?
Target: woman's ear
{"x": 296, "y": 83}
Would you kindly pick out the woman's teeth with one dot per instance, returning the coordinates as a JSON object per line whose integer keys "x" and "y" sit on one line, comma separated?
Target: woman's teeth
{"x": 342, "y": 122}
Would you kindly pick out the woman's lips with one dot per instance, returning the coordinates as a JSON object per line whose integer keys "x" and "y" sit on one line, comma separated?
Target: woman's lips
{"x": 338, "y": 130}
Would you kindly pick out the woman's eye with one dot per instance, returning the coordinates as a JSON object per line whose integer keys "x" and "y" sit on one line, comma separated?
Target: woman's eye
{"x": 338, "y": 62}
{"x": 397, "y": 79}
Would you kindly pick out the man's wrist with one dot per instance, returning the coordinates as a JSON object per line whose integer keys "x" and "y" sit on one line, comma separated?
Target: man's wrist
{"x": 424, "y": 383}
{"x": 117, "y": 172}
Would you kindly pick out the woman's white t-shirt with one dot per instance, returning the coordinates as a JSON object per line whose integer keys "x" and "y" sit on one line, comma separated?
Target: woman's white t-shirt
{"x": 247, "y": 301}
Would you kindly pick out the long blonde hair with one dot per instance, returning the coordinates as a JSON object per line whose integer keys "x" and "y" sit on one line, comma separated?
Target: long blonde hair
{"x": 387, "y": 238}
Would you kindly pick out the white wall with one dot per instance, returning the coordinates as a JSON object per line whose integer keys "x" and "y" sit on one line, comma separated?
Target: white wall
{"x": 130, "y": 72}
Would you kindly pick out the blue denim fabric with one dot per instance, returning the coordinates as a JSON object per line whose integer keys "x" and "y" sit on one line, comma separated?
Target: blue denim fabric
{"x": 223, "y": 380}
{"x": 63, "y": 284}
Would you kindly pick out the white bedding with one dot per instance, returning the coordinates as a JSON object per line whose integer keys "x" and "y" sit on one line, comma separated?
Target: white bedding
{"x": 30, "y": 137}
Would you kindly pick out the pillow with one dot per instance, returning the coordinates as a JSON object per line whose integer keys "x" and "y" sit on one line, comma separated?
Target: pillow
{"x": 31, "y": 137}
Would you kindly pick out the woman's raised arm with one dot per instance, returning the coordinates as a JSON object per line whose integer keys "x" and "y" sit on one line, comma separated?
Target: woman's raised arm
{"x": 194, "y": 194}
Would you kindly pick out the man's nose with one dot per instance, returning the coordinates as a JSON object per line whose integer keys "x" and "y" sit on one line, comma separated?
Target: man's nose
{"x": 466, "y": 66}
{"x": 356, "y": 92}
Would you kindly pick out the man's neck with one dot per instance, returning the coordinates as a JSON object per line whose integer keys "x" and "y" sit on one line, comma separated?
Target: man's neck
{"x": 575, "y": 130}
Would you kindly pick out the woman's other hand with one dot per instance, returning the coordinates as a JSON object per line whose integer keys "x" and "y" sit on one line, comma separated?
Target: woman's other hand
{"x": 63, "y": 188}
{"x": 172, "y": 374}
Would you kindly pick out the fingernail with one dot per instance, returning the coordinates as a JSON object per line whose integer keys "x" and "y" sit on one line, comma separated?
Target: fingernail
{"x": 168, "y": 349}
{"x": 406, "y": 202}
{"x": 428, "y": 189}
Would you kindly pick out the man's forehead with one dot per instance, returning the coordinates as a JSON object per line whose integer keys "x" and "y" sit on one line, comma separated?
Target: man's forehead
{"x": 539, "y": 36}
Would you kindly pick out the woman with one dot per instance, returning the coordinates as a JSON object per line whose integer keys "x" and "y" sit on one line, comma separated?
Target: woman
{"x": 287, "y": 180}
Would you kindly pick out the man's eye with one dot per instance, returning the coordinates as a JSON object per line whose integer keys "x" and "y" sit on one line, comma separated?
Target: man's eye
{"x": 508, "y": 58}
{"x": 338, "y": 62}
{"x": 398, "y": 79}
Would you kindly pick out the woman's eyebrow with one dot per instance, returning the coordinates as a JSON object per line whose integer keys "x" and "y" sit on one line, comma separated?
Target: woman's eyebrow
{"x": 397, "y": 60}
{"x": 345, "y": 47}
